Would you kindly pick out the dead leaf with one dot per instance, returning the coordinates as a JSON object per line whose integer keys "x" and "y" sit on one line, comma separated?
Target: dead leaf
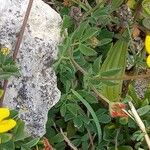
{"x": 136, "y": 31}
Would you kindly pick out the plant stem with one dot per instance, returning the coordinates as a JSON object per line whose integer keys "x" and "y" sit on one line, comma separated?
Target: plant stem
{"x": 99, "y": 94}
{"x": 75, "y": 63}
{"x": 116, "y": 139}
{"x": 85, "y": 73}
{"x": 126, "y": 77}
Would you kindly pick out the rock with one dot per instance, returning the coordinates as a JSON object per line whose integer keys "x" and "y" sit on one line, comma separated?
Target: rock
{"x": 35, "y": 91}
{"x": 141, "y": 85}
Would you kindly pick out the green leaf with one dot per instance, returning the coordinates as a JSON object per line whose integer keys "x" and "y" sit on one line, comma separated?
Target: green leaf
{"x": 66, "y": 22}
{"x": 71, "y": 130}
{"x": 109, "y": 83}
{"x": 87, "y": 51}
{"x": 146, "y": 6}
{"x": 6, "y": 75}
{"x": 80, "y": 30}
{"x": 144, "y": 110}
{"x": 7, "y": 146}
{"x": 131, "y": 4}
{"x": 110, "y": 72}
{"x": 101, "y": 111}
{"x": 122, "y": 148}
{"x": 133, "y": 95}
{"x": 89, "y": 33}
{"x": 109, "y": 132}
{"x": 106, "y": 34}
{"x": 10, "y": 68}
{"x": 60, "y": 146}
{"x": 13, "y": 114}
{"x": 25, "y": 148}
{"x": 97, "y": 64}
{"x": 104, "y": 118}
{"x": 146, "y": 22}
{"x": 123, "y": 120}
{"x": 116, "y": 58}
{"x": 104, "y": 41}
{"x": 101, "y": 12}
{"x": 63, "y": 110}
{"x": 5, "y": 137}
{"x": 89, "y": 97}
{"x": 144, "y": 102}
{"x": 116, "y": 4}
{"x": 57, "y": 138}
{"x": 69, "y": 116}
{"x": 85, "y": 119}
{"x": 77, "y": 122}
{"x": 140, "y": 136}
{"x": 76, "y": 142}
{"x": 32, "y": 143}
{"x": 19, "y": 132}
{"x": 73, "y": 108}
{"x": 96, "y": 121}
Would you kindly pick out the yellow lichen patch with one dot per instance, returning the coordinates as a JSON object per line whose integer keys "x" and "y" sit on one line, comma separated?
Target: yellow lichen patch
{"x": 148, "y": 61}
{"x": 147, "y": 44}
{"x": 4, "y": 113}
{"x": 5, "y": 51}
{"x": 7, "y": 125}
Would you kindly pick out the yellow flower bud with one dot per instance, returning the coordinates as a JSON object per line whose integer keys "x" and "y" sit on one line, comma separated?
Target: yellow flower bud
{"x": 94, "y": 42}
{"x": 7, "y": 125}
{"x": 147, "y": 44}
{"x": 4, "y": 113}
{"x": 5, "y": 51}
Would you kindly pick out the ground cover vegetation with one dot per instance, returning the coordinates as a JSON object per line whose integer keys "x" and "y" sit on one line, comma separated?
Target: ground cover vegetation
{"x": 103, "y": 75}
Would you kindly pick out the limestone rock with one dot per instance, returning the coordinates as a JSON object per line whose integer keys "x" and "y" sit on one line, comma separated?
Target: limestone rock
{"x": 35, "y": 91}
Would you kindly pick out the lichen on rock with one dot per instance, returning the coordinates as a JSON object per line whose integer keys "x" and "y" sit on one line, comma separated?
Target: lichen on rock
{"x": 35, "y": 91}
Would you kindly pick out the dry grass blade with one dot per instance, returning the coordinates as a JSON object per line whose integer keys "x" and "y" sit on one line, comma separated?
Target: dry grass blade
{"x": 67, "y": 140}
{"x": 140, "y": 123}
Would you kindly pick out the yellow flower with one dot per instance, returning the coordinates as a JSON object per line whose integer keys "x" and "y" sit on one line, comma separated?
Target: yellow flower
{"x": 5, "y": 51}
{"x": 6, "y": 125}
{"x": 148, "y": 61}
{"x": 147, "y": 44}
{"x": 4, "y": 113}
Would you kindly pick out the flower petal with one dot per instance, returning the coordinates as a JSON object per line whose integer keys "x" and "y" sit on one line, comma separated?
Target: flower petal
{"x": 147, "y": 44}
{"x": 148, "y": 61}
{"x": 117, "y": 110}
{"x": 7, "y": 125}
{"x": 4, "y": 113}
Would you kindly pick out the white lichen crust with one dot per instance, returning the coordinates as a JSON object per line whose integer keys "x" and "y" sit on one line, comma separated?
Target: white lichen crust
{"x": 35, "y": 91}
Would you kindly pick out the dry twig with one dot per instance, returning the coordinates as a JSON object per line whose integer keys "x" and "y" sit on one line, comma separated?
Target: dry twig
{"x": 18, "y": 43}
{"x": 68, "y": 141}
{"x": 140, "y": 123}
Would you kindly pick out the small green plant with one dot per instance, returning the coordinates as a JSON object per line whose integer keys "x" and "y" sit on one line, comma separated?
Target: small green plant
{"x": 8, "y": 67}
{"x": 12, "y": 132}
{"x": 94, "y": 113}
